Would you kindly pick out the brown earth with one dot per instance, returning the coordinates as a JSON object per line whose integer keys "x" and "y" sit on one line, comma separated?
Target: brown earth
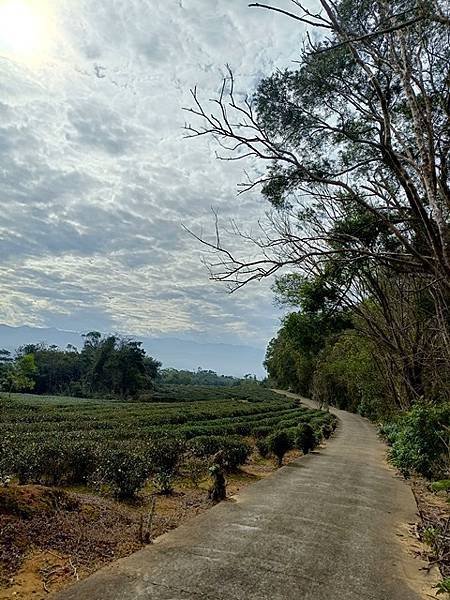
{"x": 434, "y": 512}
{"x": 50, "y": 537}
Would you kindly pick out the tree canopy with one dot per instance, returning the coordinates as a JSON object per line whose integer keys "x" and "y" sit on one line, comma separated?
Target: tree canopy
{"x": 106, "y": 366}
{"x": 355, "y": 144}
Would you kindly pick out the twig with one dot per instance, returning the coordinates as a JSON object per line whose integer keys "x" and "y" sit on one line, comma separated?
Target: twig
{"x": 75, "y": 571}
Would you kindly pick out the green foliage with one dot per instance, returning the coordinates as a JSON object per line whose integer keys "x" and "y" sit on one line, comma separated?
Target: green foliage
{"x": 199, "y": 377}
{"x": 279, "y": 443}
{"x": 292, "y": 356}
{"x": 262, "y": 432}
{"x": 235, "y": 451}
{"x": 346, "y": 375}
{"x": 195, "y": 467}
{"x": 443, "y": 587}
{"x": 82, "y": 459}
{"x": 164, "y": 456}
{"x": 262, "y": 446}
{"x": 305, "y": 438}
{"x": 18, "y": 376}
{"x": 109, "y": 366}
{"x": 420, "y": 441}
{"x": 441, "y": 486}
{"x": 119, "y": 444}
{"x": 327, "y": 430}
{"x": 124, "y": 472}
{"x": 430, "y": 535}
{"x": 54, "y": 462}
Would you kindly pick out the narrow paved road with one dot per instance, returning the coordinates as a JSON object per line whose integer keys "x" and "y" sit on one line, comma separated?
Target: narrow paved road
{"x": 325, "y": 527}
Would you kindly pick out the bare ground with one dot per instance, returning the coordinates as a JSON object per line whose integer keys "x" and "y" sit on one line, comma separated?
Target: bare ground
{"x": 51, "y": 538}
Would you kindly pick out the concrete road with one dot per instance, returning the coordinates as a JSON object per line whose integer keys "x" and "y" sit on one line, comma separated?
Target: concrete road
{"x": 329, "y": 526}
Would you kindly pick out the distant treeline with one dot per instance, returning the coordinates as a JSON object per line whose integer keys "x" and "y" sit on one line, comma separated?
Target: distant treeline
{"x": 106, "y": 366}
{"x": 200, "y": 377}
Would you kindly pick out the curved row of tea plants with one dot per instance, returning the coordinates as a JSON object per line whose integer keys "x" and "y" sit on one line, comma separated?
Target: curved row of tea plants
{"x": 118, "y": 446}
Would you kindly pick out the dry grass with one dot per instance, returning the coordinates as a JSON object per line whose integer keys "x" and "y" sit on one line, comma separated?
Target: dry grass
{"x": 51, "y": 538}
{"x": 434, "y": 510}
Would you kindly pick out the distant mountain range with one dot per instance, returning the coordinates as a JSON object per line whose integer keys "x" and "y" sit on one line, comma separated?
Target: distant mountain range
{"x": 226, "y": 359}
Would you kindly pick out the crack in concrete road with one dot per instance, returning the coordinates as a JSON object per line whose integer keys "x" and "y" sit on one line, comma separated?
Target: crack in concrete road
{"x": 322, "y": 528}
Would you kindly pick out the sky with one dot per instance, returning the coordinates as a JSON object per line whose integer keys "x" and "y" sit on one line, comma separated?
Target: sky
{"x": 96, "y": 178}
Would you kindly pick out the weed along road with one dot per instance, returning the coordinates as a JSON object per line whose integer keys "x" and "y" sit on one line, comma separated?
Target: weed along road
{"x": 328, "y": 526}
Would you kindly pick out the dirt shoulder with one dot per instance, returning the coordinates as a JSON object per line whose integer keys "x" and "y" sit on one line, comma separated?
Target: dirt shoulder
{"x": 434, "y": 527}
{"x": 50, "y": 538}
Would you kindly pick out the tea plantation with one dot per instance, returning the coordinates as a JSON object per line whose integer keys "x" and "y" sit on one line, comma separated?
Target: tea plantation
{"x": 120, "y": 445}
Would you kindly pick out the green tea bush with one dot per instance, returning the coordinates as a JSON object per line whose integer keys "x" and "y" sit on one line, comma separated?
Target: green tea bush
{"x": 73, "y": 441}
{"x": 124, "y": 472}
{"x": 164, "y": 456}
{"x": 194, "y": 467}
{"x": 235, "y": 450}
{"x": 53, "y": 465}
{"x": 262, "y": 446}
{"x": 279, "y": 443}
{"x": 305, "y": 439}
{"x": 420, "y": 441}
{"x": 262, "y": 432}
{"x": 327, "y": 430}
{"x": 26, "y": 462}
{"x": 81, "y": 463}
{"x": 7, "y": 458}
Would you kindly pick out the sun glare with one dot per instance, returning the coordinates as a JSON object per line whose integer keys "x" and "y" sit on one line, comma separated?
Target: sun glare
{"x": 25, "y": 29}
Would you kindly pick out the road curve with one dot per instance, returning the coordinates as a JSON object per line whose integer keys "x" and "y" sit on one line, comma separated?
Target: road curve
{"x": 327, "y": 526}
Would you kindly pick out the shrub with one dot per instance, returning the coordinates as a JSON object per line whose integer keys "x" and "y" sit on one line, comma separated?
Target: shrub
{"x": 390, "y": 432}
{"x": 327, "y": 430}
{"x": 420, "y": 441}
{"x": 165, "y": 454}
{"x": 263, "y": 447}
{"x": 305, "y": 439}
{"x": 7, "y": 458}
{"x": 443, "y": 587}
{"x": 279, "y": 443}
{"x": 53, "y": 463}
{"x": 235, "y": 450}
{"x": 441, "y": 486}
{"x": 262, "y": 432}
{"x": 124, "y": 471}
{"x": 164, "y": 457}
{"x": 81, "y": 463}
{"x": 34, "y": 463}
{"x": 195, "y": 467}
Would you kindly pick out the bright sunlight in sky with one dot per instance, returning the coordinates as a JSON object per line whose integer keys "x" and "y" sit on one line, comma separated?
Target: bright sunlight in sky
{"x": 25, "y": 29}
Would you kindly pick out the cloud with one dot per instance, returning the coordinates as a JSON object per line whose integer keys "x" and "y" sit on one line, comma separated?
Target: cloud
{"x": 96, "y": 177}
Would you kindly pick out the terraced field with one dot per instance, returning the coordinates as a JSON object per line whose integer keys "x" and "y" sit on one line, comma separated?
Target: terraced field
{"x": 241, "y": 413}
{"x": 60, "y": 440}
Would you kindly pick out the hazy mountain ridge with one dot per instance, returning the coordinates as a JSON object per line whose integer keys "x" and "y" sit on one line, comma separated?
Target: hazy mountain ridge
{"x": 226, "y": 359}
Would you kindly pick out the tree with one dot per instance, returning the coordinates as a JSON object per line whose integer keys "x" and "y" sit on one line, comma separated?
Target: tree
{"x": 106, "y": 366}
{"x": 347, "y": 375}
{"x": 356, "y": 144}
{"x": 117, "y": 365}
{"x": 291, "y": 357}
{"x": 375, "y": 91}
{"x": 19, "y": 378}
